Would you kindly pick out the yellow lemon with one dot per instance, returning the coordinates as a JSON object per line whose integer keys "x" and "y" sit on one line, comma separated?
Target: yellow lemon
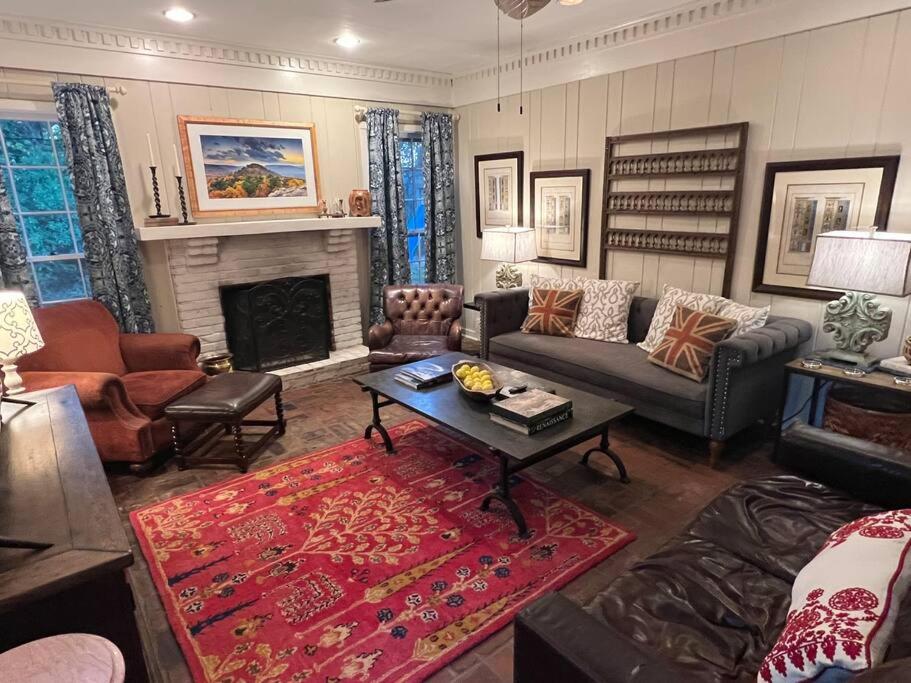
{"x": 475, "y": 368}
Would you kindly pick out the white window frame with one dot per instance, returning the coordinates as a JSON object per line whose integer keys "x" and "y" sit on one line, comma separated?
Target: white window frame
{"x": 26, "y": 110}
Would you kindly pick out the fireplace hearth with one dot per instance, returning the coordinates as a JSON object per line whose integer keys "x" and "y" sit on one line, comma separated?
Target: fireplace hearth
{"x": 279, "y": 323}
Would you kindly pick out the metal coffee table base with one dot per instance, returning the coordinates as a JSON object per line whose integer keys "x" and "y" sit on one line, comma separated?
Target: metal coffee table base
{"x": 508, "y": 466}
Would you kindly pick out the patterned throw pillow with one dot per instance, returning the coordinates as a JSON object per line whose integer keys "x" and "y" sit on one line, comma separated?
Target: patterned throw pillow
{"x": 553, "y": 312}
{"x": 844, "y": 603}
{"x": 664, "y": 313}
{"x": 604, "y": 312}
{"x": 747, "y": 317}
{"x": 690, "y": 341}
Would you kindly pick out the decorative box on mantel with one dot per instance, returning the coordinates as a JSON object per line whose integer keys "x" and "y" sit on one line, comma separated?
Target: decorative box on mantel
{"x": 205, "y": 257}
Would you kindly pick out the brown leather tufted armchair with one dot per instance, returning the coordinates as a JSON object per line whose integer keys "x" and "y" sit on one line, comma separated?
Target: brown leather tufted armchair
{"x": 422, "y": 321}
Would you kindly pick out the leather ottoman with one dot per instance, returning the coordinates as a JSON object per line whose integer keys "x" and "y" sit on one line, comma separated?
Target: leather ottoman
{"x": 222, "y": 404}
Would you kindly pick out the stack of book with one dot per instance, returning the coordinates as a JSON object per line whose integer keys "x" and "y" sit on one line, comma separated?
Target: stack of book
{"x": 423, "y": 375}
{"x": 531, "y": 411}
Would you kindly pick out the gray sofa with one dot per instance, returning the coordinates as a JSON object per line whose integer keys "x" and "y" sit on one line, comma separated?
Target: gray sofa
{"x": 744, "y": 385}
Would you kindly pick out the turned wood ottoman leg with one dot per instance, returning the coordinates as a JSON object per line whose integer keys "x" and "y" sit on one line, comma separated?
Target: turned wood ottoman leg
{"x": 280, "y": 414}
{"x": 239, "y": 447}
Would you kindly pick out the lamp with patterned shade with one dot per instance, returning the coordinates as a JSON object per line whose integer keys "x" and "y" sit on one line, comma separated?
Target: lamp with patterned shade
{"x": 508, "y": 246}
{"x": 19, "y": 336}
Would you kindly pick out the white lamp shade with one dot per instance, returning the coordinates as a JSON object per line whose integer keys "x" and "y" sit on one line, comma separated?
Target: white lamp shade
{"x": 19, "y": 333}
{"x": 509, "y": 245}
{"x": 863, "y": 261}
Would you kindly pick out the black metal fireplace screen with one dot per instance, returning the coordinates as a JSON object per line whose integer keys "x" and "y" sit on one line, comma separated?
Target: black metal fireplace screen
{"x": 277, "y": 324}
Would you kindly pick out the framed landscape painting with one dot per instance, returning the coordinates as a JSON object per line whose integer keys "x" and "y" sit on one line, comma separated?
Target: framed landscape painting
{"x": 559, "y": 215}
{"x": 237, "y": 167}
{"x": 498, "y": 190}
{"x": 805, "y": 199}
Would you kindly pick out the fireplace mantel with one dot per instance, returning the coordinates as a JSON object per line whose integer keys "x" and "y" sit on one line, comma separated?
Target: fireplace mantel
{"x": 153, "y": 233}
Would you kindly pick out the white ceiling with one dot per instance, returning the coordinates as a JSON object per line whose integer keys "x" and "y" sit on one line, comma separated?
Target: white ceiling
{"x": 448, "y": 36}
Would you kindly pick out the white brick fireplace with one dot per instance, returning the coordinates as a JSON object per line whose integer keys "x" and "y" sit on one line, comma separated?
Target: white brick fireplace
{"x": 204, "y": 257}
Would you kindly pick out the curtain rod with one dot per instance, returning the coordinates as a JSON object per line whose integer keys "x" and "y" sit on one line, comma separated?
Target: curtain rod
{"x": 116, "y": 90}
{"x": 360, "y": 113}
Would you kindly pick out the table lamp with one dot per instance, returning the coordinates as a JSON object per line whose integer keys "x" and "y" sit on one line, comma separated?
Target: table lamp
{"x": 866, "y": 263}
{"x": 509, "y": 246}
{"x": 19, "y": 336}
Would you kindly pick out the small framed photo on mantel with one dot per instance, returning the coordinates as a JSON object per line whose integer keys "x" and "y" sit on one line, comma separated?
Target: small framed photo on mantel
{"x": 559, "y": 215}
{"x": 805, "y": 199}
{"x": 498, "y": 180}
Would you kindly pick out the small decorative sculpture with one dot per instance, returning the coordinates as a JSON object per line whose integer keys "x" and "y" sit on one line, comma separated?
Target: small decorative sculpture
{"x": 338, "y": 210}
{"x": 359, "y": 203}
{"x": 323, "y": 209}
{"x": 906, "y": 349}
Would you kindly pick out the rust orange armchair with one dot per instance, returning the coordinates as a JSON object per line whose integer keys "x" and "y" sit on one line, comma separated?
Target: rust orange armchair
{"x": 124, "y": 381}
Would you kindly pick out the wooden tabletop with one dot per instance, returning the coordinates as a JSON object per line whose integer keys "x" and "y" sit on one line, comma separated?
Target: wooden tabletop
{"x": 874, "y": 380}
{"x": 447, "y": 405}
{"x": 53, "y": 489}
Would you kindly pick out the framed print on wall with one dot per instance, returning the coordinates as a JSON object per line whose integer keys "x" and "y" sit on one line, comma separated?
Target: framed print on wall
{"x": 238, "y": 167}
{"x": 804, "y": 199}
{"x": 559, "y": 215}
{"x": 498, "y": 182}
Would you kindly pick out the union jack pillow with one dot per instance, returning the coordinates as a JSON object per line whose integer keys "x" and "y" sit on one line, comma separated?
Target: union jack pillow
{"x": 552, "y": 312}
{"x": 844, "y": 603}
{"x": 690, "y": 341}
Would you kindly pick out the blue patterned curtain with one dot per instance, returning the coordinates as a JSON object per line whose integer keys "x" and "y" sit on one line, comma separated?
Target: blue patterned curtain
{"x": 439, "y": 196}
{"x": 15, "y": 272}
{"x": 389, "y": 243}
{"x": 111, "y": 251}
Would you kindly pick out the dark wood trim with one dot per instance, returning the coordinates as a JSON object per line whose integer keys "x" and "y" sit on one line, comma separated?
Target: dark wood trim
{"x": 741, "y": 129}
{"x": 586, "y": 175}
{"x": 519, "y": 156}
{"x": 889, "y": 164}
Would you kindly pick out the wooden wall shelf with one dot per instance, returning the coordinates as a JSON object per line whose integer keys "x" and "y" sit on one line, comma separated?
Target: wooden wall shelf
{"x": 695, "y": 165}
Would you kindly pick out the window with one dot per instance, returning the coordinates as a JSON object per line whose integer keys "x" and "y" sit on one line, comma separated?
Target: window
{"x": 415, "y": 212}
{"x": 40, "y": 189}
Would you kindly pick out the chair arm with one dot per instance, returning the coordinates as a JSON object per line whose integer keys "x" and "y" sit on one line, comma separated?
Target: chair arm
{"x": 502, "y": 311}
{"x": 143, "y": 352}
{"x": 556, "y": 640}
{"x": 746, "y": 377}
{"x": 454, "y": 338}
{"x": 97, "y": 390}
{"x": 870, "y": 471}
{"x": 379, "y": 336}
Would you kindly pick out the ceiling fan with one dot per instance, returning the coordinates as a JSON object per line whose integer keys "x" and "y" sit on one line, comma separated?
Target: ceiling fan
{"x": 517, "y": 9}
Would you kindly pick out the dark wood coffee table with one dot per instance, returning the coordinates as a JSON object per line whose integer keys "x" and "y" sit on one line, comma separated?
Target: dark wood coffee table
{"x": 446, "y": 405}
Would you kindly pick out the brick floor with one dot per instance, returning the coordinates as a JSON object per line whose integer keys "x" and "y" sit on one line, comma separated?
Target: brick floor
{"x": 671, "y": 482}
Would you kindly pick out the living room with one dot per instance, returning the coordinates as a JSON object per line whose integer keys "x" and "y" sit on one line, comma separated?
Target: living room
{"x": 495, "y": 340}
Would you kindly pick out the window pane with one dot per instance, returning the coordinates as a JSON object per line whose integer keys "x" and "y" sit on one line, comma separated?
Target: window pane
{"x": 48, "y": 234}
{"x": 77, "y": 231}
{"x": 59, "y": 280}
{"x": 28, "y": 143}
{"x": 38, "y": 189}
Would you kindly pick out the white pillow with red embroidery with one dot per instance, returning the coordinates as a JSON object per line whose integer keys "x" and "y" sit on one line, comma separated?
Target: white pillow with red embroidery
{"x": 845, "y": 601}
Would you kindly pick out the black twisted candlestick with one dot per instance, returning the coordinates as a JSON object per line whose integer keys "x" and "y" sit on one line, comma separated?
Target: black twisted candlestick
{"x": 157, "y": 194}
{"x": 183, "y": 202}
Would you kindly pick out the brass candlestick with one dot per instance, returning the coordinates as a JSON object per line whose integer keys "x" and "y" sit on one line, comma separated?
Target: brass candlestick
{"x": 157, "y": 195}
{"x": 183, "y": 202}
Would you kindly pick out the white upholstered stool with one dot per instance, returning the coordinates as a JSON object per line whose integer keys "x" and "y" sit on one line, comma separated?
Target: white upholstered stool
{"x": 74, "y": 658}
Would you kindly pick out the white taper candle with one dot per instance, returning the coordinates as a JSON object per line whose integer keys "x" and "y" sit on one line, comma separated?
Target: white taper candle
{"x": 176, "y": 161}
{"x": 151, "y": 153}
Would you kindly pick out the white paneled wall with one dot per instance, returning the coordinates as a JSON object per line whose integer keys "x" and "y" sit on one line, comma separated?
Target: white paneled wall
{"x": 839, "y": 91}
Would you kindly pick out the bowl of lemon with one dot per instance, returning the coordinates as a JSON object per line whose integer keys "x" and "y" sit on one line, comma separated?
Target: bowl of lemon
{"x": 476, "y": 380}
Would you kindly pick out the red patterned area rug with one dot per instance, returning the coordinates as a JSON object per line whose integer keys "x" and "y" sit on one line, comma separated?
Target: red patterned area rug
{"x": 348, "y": 564}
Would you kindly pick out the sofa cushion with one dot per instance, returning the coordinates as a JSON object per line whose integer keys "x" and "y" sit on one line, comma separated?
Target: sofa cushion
{"x": 690, "y": 342}
{"x": 716, "y": 597}
{"x": 152, "y": 390}
{"x": 553, "y": 312}
{"x": 664, "y": 312}
{"x": 408, "y": 348}
{"x": 622, "y": 369}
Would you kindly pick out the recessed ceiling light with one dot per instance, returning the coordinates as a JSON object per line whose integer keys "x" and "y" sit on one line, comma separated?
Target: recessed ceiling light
{"x": 571, "y": 2}
{"x": 348, "y": 41}
{"x": 179, "y": 14}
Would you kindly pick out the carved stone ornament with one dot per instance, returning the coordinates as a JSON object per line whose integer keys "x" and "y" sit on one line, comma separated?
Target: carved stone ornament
{"x": 857, "y": 320}
{"x": 508, "y": 276}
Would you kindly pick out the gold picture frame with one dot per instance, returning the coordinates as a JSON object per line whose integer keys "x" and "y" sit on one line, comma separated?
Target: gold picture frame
{"x": 247, "y": 167}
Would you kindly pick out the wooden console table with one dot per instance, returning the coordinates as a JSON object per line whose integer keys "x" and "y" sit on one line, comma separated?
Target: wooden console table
{"x": 53, "y": 490}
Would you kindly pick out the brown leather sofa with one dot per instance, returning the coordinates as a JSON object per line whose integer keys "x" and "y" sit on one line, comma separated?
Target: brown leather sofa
{"x": 711, "y": 604}
{"x": 124, "y": 381}
{"x": 422, "y": 321}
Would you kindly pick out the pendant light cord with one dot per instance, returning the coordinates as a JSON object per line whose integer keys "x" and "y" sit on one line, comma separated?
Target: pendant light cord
{"x": 498, "y": 57}
{"x": 522, "y": 60}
